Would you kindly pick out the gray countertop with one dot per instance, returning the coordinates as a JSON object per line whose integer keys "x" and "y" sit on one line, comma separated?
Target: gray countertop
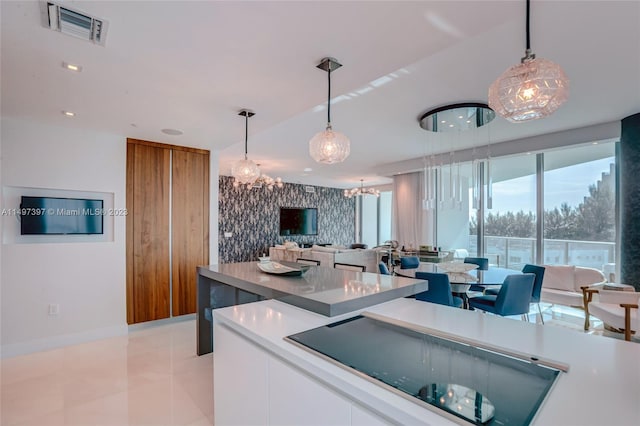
{"x": 323, "y": 290}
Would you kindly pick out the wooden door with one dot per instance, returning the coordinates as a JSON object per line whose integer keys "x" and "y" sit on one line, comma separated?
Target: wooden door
{"x": 148, "y": 277}
{"x": 189, "y": 225}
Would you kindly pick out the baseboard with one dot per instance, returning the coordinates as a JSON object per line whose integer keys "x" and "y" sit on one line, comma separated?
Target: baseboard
{"x": 48, "y": 343}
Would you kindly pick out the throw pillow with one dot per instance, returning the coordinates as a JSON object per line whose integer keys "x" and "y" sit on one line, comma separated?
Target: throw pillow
{"x": 559, "y": 277}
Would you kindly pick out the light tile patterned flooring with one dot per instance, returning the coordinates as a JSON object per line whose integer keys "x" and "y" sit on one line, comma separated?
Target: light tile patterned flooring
{"x": 150, "y": 377}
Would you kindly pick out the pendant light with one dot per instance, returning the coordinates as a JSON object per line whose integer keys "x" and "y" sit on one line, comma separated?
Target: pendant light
{"x": 329, "y": 147}
{"x": 533, "y": 89}
{"x": 245, "y": 171}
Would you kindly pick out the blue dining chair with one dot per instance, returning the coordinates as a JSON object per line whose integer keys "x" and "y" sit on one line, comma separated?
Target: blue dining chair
{"x": 439, "y": 290}
{"x": 409, "y": 262}
{"x": 512, "y": 299}
{"x": 482, "y": 262}
{"x": 483, "y": 265}
{"x": 538, "y": 271}
{"x": 383, "y": 268}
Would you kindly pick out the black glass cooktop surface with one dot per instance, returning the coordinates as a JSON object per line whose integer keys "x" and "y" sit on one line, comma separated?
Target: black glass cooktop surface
{"x": 472, "y": 383}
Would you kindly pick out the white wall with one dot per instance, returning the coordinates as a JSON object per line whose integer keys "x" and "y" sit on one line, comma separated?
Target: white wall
{"x": 87, "y": 279}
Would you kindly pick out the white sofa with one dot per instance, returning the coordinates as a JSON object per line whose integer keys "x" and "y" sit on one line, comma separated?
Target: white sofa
{"x": 329, "y": 255}
{"x": 562, "y": 284}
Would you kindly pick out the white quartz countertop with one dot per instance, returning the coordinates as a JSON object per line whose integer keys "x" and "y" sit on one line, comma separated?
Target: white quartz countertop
{"x": 602, "y": 386}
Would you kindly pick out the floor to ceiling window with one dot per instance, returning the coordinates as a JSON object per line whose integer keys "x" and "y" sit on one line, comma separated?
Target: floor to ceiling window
{"x": 579, "y": 204}
{"x": 375, "y": 218}
{"x": 510, "y": 211}
{"x": 556, "y": 207}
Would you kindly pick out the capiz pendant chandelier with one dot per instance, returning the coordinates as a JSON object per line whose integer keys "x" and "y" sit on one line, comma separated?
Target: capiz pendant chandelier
{"x": 329, "y": 146}
{"x": 532, "y": 89}
{"x": 245, "y": 172}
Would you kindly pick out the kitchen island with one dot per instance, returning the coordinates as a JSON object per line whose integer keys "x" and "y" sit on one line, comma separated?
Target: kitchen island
{"x": 285, "y": 384}
{"x": 323, "y": 290}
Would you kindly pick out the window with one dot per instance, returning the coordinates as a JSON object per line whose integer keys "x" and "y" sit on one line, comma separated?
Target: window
{"x": 579, "y": 204}
{"x": 375, "y": 218}
{"x": 510, "y": 213}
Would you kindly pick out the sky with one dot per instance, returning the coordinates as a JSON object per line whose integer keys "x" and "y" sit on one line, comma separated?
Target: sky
{"x": 568, "y": 184}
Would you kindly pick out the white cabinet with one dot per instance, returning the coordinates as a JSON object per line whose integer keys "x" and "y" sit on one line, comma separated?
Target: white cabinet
{"x": 239, "y": 380}
{"x": 296, "y": 399}
{"x": 254, "y": 387}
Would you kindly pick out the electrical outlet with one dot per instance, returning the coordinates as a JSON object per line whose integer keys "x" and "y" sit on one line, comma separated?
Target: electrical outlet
{"x": 54, "y": 309}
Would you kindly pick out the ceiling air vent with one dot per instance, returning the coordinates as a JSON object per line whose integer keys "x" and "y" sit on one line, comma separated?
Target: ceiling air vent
{"x": 73, "y": 23}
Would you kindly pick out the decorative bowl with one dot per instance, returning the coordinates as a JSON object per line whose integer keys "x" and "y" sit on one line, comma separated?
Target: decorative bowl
{"x": 280, "y": 269}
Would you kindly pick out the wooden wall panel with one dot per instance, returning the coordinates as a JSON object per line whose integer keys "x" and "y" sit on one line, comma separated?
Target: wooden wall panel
{"x": 190, "y": 226}
{"x": 148, "y": 276}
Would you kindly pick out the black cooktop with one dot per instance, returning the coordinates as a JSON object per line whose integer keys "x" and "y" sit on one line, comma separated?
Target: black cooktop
{"x": 476, "y": 384}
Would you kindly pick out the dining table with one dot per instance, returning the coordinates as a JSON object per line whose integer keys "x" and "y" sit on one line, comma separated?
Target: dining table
{"x": 461, "y": 282}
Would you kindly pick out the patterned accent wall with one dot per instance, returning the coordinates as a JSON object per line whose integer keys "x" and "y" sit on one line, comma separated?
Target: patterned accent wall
{"x": 252, "y": 216}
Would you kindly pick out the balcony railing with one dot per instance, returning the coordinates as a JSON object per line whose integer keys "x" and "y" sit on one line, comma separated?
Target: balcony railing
{"x": 514, "y": 253}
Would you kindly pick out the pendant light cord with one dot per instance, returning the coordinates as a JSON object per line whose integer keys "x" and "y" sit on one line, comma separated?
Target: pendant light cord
{"x": 528, "y": 36}
{"x": 329, "y": 98}
{"x": 246, "y": 133}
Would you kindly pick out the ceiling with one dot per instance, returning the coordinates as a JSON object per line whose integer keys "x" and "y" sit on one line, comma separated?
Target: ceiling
{"x": 192, "y": 66}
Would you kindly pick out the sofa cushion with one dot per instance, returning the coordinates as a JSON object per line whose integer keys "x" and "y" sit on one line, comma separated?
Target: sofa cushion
{"x": 587, "y": 276}
{"x": 559, "y": 277}
{"x": 561, "y": 297}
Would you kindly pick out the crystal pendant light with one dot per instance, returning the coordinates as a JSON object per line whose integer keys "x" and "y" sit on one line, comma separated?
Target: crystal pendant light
{"x": 533, "y": 89}
{"x": 329, "y": 146}
{"x": 245, "y": 172}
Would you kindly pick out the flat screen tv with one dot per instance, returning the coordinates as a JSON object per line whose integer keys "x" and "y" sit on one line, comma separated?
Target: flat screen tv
{"x": 298, "y": 221}
{"x": 60, "y": 216}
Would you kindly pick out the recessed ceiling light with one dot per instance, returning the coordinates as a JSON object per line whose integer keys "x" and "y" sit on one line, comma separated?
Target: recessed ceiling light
{"x": 460, "y": 116}
{"x": 450, "y": 125}
{"x": 443, "y": 121}
{"x": 172, "y": 132}
{"x": 69, "y": 113}
{"x": 594, "y": 143}
{"x": 71, "y": 67}
{"x": 307, "y": 169}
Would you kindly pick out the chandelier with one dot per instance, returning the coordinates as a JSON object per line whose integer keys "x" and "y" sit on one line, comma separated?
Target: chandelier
{"x": 265, "y": 181}
{"x": 245, "y": 172}
{"x": 358, "y": 191}
{"x": 533, "y": 89}
{"x": 329, "y": 147}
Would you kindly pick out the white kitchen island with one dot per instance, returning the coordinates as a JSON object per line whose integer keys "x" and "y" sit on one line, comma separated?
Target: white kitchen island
{"x": 261, "y": 379}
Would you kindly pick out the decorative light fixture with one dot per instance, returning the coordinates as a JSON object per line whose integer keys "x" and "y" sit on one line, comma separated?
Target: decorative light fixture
{"x": 358, "y": 191}
{"x": 329, "y": 147}
{"x": 245, "y": 172}
{"x": 263, "y": 180}
{"x": 457, "y": 117}
{"x": 533, "y": 89}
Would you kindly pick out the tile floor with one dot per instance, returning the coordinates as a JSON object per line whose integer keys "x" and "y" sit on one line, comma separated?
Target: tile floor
{"x": 150, "y": 377}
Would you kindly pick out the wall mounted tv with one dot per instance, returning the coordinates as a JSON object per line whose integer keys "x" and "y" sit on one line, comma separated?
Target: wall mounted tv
{"x": 298, "y": 221}
{"x": 60, "y": 216}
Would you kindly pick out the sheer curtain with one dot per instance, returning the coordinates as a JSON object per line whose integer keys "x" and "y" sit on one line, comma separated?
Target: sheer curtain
{"x": 412, "y": 225}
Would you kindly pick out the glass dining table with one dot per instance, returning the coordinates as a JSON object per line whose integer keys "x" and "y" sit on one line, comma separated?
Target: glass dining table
{"x": 461, "y": 282}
